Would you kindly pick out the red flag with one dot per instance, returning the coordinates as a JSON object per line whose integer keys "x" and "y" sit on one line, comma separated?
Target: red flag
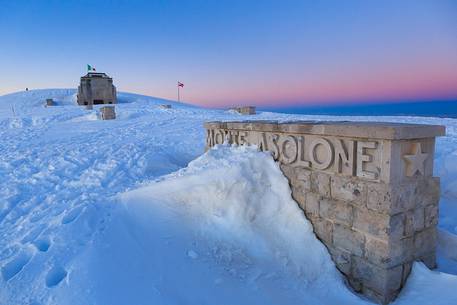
{"x": 180, "y": 84}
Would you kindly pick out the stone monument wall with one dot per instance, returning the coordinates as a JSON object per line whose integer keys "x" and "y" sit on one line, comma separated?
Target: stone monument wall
{"x": 367, "y": 188}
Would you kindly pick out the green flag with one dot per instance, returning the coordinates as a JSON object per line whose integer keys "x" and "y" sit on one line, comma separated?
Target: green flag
{"x": 90, "y": 68}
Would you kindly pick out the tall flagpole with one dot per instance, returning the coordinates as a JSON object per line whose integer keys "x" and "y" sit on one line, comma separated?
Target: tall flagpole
{"x": 179, "y": 98}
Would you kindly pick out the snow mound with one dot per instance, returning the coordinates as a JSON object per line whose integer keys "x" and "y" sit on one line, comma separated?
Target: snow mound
{"x": 239, "y": 197}
{"x": 427, "y": 287}
{"x": 226, "y": 223}
{"x": 198, "y": 236}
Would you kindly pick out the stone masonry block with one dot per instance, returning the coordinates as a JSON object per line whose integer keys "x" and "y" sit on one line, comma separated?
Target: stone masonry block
{"x": 427, "y": 191}
{"x": 373, "y": 295}
{"x": 429, "y": 260}
{"x": 312, "y": 205}
{"x": 349, "y": 240}
{"x": 320, "y": 183}
{"x": 418, "y": 219}
{"x": 409, "y": 223}
{"x": 431, "y": 215}
{"x": 324, "y": 230}
{"x": 377, "y": 251}
{"x": 288, "y": 171}
{"x": 379, "y": 225}
{"x": 395, "y": 198}
{"x": 389, "y": 254}
{"x": 303, "y": 177}
{"x": 385, "y": 282}
{"x": 391, "y": 199}
{"x": 356, "y": 284}
{"x": 379, "y": 197}
{"x": 425, "y": 242}
{"x": 342, "y": 259}
{"x": 299, "y": 196}
{"x": 414, "y": 221}
{"x": 337, "y": 211}
{"x": 406, "y": 271}
{"x": 347, "y": 189}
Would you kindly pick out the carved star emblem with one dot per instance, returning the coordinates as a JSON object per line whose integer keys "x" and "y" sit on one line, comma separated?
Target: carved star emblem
{"x": 415, "y": 161}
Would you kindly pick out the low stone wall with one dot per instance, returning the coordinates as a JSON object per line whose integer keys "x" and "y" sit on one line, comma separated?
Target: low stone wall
{"x": 367, "y": 188}
{"x": 246, "y": 110}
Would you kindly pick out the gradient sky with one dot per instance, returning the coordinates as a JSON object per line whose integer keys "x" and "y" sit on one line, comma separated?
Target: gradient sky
{"x": 259, "y": 52}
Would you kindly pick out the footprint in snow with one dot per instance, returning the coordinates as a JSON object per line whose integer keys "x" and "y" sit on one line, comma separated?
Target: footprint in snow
{"x": 192, "y": 254}
{"x": 71, "y": 216}
{"x": 55, "y": 276}
{"x": 13, "y": 267}
{"x": 42, "y": 244}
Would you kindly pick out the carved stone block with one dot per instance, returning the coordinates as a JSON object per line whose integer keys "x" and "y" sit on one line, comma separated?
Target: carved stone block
{"x": 342, "y": 259}
{"x": 348, "y": 189}
{"x": 367, "y": 189}
{"x": 324, "y": 230}
{"x": 384, "y": 281}
{"x": 349, "y": 240}
{"x": 107, "y": 113}
{"x": 337, "y": 212}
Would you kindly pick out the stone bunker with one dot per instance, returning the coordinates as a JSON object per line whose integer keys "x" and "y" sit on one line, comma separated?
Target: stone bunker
{"x": 96, "y": 88}
{"x": 367, "y": 188}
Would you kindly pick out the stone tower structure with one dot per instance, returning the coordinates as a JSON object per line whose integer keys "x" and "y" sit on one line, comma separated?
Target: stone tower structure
{"x": 96, "y": 88}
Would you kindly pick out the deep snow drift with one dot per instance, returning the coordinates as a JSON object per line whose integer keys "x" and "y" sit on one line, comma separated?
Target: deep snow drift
{"x": 87, "y": 217}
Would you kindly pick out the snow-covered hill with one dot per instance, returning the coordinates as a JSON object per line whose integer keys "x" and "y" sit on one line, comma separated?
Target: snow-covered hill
{"x": 111, "y": 212}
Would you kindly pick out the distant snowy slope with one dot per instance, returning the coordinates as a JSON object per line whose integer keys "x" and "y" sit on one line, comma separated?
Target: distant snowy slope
{"x": 88, "y": 217}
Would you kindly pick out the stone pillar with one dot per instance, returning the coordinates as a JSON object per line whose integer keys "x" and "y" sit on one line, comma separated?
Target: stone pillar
{"x": 367, "y": 188}
{"x": 107, "y": 113}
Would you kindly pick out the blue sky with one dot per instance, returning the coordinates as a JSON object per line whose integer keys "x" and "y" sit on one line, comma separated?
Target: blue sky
{"x": 237, "y": 52}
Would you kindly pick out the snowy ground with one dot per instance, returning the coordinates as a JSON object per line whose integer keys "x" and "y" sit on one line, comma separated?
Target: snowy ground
{"x": 111, "y": 212}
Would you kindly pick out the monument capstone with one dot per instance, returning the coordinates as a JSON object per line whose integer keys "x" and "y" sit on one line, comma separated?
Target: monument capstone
{"x": 367, "y": 188}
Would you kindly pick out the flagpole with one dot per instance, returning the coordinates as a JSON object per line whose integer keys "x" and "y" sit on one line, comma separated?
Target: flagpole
{"x": 179, "y": 98}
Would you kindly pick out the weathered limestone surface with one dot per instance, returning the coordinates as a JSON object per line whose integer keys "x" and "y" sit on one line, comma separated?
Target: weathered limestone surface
{"x": 245, "y": 110}
{"x": 367, "y": 188}
{"x": 107, "y": 113}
